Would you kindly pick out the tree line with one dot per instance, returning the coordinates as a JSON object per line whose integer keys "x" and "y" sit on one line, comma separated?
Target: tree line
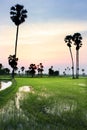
{"x": 31, "y": 71}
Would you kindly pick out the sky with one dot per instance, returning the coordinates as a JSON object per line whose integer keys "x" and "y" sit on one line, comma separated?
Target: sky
{"x": 41, "y": 36}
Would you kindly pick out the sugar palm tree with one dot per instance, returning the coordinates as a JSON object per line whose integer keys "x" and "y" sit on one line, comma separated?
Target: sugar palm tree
{"x": 40, "y": 69}
{"x": 18, "y": 15}
{"x": 32, "y": 69}
{"x": 77, "y": 38}
{"x": 68, "y": 40}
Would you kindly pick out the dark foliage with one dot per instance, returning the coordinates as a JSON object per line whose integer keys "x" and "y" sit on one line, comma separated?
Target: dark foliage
{"x": 32, "y": 69}
{"x": 18, "y": 14}
{"x": 51, "y": 72}
{"x": 12, "y": 60}
{"x": 40, "y": 69}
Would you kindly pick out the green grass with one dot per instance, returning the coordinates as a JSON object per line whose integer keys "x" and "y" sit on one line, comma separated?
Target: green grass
{"x": 53, "y": 104}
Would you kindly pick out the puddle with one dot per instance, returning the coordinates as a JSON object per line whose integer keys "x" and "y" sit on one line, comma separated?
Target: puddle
{"x": 4, "y": 85}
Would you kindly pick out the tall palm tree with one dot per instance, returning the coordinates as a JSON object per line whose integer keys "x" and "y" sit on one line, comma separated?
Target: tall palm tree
{"x": 68, "y": 40}
{"x": 77, "y": 38}
{"x": 18, "y": 15}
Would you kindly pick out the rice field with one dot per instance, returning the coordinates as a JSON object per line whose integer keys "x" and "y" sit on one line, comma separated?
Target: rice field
{"x": 44, "y": 104}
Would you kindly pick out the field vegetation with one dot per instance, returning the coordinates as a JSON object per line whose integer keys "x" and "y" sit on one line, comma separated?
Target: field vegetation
{"x": 52, "y": 104}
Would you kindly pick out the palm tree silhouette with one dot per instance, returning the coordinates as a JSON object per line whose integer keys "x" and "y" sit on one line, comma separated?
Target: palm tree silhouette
{"x": 68, "y": 40}
{"x": 18, "y": 15}
{"x": 13, "y": 63}
{"x": 32, "y": 69}
{"x": 40, "y": 69}
{"x": 77, "y": 38}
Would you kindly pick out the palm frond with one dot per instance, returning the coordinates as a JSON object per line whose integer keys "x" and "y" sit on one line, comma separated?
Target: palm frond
{"x": 18, "y": 14}
{"x": 13, "y": 8}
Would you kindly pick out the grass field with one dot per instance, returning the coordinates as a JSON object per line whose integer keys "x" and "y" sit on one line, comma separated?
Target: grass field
{"x": 53, "y": 104}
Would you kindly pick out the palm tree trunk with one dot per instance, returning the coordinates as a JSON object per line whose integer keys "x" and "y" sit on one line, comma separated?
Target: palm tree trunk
{"x": 13, "y": 73}
{"x": 77, "y": 64}
{"x": 16, "y": 40}
{"x": 72, "y": 62}
{"x": 15, "y": 48}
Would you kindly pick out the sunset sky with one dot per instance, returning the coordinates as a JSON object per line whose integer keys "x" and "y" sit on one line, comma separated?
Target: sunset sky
{"x": 41, "y": 36}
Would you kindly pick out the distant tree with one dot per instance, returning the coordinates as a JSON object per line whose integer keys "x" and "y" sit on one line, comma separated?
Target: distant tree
{"x": 40, "y": 69}
{"x": 1, "y": 66}
{"x": 19, "y": 72}
{"x": 12, "y": 60}
{"x": 22, "y": 69}
{"x": 68, "y": 40}
{"x": 83, "y": 72}
{"x": 64, "y": 73}
{"x": 6, "y": 70}
{"x": 51, "y": 71}
{"x": 18, "y": 15}
{"x": 67, "y": 69}
{"x": 27, "y": 72}
{"x": 77, "y": 38}
{"x": 32, "y": 69}
{"x": 56, "y": 73}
